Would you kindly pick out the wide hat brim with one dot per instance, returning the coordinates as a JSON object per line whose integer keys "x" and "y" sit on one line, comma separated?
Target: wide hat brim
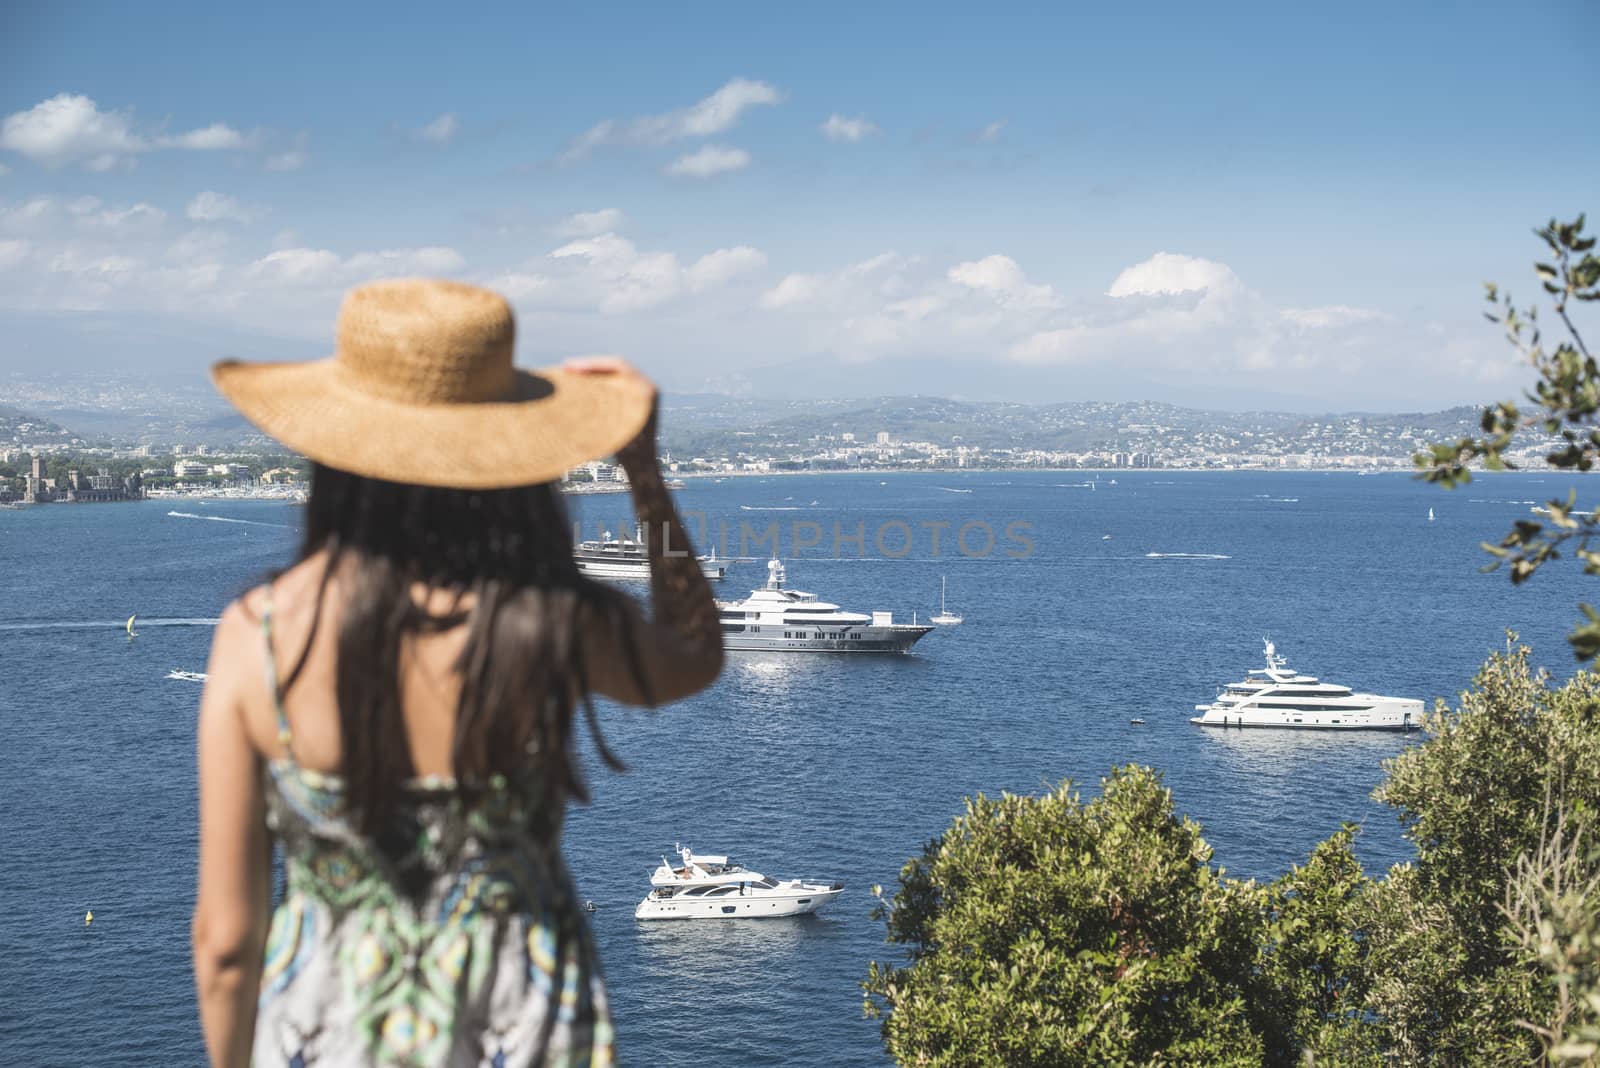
{"x": 552, "y": 421}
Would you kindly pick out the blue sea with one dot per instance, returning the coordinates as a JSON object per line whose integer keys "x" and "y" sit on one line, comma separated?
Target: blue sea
{"x": 1112, "y": 597}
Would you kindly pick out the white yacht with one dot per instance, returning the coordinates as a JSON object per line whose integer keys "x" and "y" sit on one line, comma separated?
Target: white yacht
{"x": 707, "y": 887}
{"x": 624, "y": 557}
{"x": 778, "y": 619}
{"x": 1276, "y": 696}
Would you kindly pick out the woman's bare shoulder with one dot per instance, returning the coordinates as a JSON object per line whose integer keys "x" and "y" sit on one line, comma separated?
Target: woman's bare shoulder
{"x": 289, "y": 596}
{"x": 292, "y": 594}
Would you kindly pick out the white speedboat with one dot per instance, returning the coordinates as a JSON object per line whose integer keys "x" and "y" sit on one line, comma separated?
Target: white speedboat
{"x": 1276, "y": 696}
{"x": 708, "y": 887}
{"x": 779, "y": 619}
{"x": 624, "y": 557}
{"x": 186, "y": 676}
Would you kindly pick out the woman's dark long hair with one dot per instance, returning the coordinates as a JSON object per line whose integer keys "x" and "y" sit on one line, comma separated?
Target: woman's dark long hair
{"x": 507, "y": 556}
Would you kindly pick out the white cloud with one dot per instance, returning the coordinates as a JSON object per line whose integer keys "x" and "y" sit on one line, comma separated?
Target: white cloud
{"x": 4, "y": 170}
{"x": 201, "y": 245}
{"x": 839, "y": 128}
{"x": 794, "y": 289}
{"x": 710, "y": 160}
{"x": 144, "y": 218}
{"x": 1331, "y": 316}
{"x": 518, "y": 285}
{"x": 210, "y": 206}
{"x": 1174, "y": 313}
{"x": 1178, "y": 323}
{"x": 83, "y": 254}
{"x": 35, "y": 216}
{"x": 296, "y": 265}
{"x": 291, "y": 159}
{"x": 70, "y": 262}
{"x": 70, "y": 128}
{"x": 67, "y": 129}
{"x": 624, "y": 279}
{"x": 991, "y": 133}
{"x": 1001, "y": 276}
{"x": 1181, "y": 316}
{"x": 611, "y": 274}
{"x": 718, "y": 112}
{"x": 852, "y": 280}
{"x": 716, "y": 268}
{"x": 432, "y": 260}
{"x": 210, "y": 138}
{"x": 440, "y": 131}
{"x": 914, "y": 308}
{"x": 589, "y": 223}
{"x": 54, "y": 217}
{"x": 1167, "y": 273}
{"x": 1188, "y": 318}
{"x": 315, "y": 266}
{"x": 13, "y": 253}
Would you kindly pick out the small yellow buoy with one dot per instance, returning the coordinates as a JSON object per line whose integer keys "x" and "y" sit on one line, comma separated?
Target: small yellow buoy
{"x": 88, "y": 917}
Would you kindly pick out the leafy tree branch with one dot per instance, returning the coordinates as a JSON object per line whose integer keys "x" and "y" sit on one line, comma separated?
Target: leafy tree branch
{"x": 1564, "y": 404}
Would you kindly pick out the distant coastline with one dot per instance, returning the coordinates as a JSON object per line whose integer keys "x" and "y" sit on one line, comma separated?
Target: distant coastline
{"x": 1114, "y": 471}
{"x": 294, "y": 493}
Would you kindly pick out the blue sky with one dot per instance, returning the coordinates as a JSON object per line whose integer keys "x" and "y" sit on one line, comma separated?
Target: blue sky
{"x": 1228, "y": 205}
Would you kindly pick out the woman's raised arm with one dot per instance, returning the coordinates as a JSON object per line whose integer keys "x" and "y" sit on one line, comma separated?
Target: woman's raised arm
{"x": 679, "y": 648}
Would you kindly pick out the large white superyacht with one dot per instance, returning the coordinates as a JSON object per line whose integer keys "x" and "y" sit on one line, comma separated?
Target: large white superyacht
{"x": 623, "y": 557}
{"x": 1276, "y": 696}
{"x": 779, "y": 619}
{"x": 707, "y": 887}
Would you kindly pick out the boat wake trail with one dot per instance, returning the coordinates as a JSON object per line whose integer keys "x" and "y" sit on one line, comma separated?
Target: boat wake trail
{"x": 1187, "y": 556}
{"x": 225, "y": 519}
{"x": 117, "y": 624}
{"x": 947, "y": 489}
{"x": 771, "y": 508}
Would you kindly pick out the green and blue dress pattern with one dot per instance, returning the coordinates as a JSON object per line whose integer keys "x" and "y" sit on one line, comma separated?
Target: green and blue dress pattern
{"x": 455, "y": 940}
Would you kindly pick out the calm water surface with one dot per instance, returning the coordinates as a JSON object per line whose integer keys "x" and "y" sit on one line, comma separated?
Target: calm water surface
{"x": 831, "y": 767}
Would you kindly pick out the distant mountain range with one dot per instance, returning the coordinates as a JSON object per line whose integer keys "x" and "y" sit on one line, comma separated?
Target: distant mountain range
{"x": 127, "y": 410}
{"x": 711, "y": 424}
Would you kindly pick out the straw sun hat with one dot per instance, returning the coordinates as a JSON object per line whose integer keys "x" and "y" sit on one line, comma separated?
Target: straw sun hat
{"x": 421, "y": 389}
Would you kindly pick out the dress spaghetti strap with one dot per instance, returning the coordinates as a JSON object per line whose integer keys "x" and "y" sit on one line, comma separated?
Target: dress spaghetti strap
{"x": 273, "y": 688}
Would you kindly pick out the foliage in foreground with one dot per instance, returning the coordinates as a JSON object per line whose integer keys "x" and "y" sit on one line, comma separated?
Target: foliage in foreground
{"x": 1054, "y": 931}
{"x": 1565, "y": 406}
{"x": 1045, "y": 930}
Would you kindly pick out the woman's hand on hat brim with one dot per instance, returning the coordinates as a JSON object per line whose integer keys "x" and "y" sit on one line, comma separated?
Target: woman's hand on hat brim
{"x": 638, "y": 455}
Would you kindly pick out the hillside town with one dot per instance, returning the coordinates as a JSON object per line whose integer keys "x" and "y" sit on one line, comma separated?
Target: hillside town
{"x": 39, "y": 457}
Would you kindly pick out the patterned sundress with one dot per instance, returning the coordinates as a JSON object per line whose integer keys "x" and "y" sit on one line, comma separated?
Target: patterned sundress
{"x": 456, "y": 941}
